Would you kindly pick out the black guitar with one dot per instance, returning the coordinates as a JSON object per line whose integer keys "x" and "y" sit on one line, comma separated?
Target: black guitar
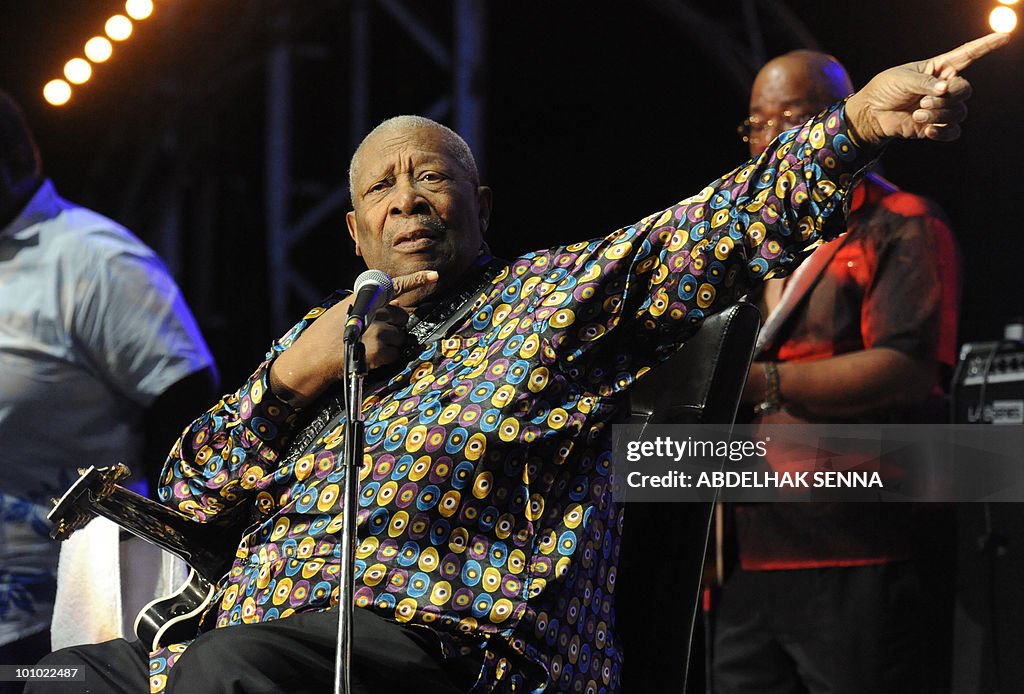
{"x": 207, "y": 549}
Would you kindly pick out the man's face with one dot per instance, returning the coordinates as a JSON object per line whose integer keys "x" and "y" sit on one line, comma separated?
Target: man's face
{"x": 783, "y": 97}
{"x": 415, "y": 208}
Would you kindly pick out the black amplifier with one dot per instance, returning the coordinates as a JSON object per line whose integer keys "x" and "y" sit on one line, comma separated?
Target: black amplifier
{"x": 988, "y": 384}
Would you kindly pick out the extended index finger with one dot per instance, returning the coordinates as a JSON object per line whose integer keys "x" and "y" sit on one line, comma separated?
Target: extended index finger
{"x": 413, "y": 280}
{"x": 959, "y": 58}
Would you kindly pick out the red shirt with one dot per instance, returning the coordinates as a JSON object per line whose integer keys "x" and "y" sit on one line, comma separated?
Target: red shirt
{"x": 893, "y": 283}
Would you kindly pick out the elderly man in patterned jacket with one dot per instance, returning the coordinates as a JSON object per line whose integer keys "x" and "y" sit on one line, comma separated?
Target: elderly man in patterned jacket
{"x": 487, "y": 537}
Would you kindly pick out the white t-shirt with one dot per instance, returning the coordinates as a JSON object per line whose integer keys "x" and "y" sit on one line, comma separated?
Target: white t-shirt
{"x": 92, "y": 330}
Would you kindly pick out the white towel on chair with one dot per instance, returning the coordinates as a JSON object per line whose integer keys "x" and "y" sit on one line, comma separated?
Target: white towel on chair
{"x": 104, "y": 580}
{"x": 88, "y": 603}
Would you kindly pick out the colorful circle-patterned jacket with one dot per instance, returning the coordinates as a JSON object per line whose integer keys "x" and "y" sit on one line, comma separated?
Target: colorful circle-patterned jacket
{"x": 485, "y": 506}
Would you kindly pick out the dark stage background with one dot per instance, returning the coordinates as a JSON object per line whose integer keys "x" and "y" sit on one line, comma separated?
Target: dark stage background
{"x": 594, "y": 114}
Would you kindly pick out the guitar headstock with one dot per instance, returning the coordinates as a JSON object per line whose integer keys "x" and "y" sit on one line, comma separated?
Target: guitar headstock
{"x": 70, "y": 512}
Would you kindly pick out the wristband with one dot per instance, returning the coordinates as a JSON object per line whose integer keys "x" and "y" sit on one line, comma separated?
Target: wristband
{"x": 772, "y": 397}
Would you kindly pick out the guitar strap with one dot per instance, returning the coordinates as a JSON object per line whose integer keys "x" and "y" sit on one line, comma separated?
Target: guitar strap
{"x": 798, "y": 287}
{"x": 426, "y": 325}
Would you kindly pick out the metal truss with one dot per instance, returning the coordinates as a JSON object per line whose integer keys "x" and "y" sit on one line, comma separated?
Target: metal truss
{"x": 460, "y": 103}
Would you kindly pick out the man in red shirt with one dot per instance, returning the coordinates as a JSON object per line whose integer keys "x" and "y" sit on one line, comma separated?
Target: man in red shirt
{"x": 825, "y": 597}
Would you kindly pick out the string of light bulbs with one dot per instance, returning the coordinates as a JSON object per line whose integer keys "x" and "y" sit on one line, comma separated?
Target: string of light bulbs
{"x": 118, "y": 28}
{"x": 97, "y": 50}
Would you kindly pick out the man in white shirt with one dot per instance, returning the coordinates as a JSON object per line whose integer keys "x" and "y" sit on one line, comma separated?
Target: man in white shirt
{"x": 101, "y": 362}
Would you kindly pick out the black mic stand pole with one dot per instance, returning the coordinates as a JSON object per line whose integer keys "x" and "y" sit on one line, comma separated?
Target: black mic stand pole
{"x": 355, "y": 370}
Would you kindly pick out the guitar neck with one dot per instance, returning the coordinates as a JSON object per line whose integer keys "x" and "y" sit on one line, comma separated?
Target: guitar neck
{"x": 208, "y": 549}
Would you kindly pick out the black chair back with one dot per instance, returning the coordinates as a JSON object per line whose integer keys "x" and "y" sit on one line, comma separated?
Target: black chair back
{"x": 659, "y": 582}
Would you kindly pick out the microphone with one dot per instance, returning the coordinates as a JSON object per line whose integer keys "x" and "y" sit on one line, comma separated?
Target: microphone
{"x": 373, "y": 289}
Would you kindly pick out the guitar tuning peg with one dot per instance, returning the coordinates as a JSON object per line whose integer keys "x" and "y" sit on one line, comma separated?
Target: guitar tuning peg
{"x": 82, "y": 470}
{"x": 54, "y": 501}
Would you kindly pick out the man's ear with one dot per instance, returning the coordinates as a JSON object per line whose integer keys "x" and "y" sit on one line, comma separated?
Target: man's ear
{"x": 350, "y": 222}
{"x": 485, "y": 200}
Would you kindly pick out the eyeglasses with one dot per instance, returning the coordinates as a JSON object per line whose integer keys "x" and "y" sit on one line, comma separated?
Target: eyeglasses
{"x": 753, "y": 128}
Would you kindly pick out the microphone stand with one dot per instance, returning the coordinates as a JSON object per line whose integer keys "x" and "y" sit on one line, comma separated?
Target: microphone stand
{"x": 354, "y": 371}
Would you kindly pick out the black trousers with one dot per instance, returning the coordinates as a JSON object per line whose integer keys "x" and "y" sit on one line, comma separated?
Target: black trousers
{"x": 23, "y": 652}
{"x": 294, "y": 655}
{"x": 853, "y": 630}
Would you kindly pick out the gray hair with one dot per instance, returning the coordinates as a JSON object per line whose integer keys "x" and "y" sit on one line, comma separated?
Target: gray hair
{"x": 454, "y": 143}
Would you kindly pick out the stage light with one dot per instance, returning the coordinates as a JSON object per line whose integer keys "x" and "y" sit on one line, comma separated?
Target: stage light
{"x": 1008, "y": 2}
{"x": 57, "y": 92}
{"x": 138, "y": 9}
{"x": 1003, "y": 20}
{"x": 118, "y": 27}
{"x": 77, "y": 71}
{"x": 98, "y": 49}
